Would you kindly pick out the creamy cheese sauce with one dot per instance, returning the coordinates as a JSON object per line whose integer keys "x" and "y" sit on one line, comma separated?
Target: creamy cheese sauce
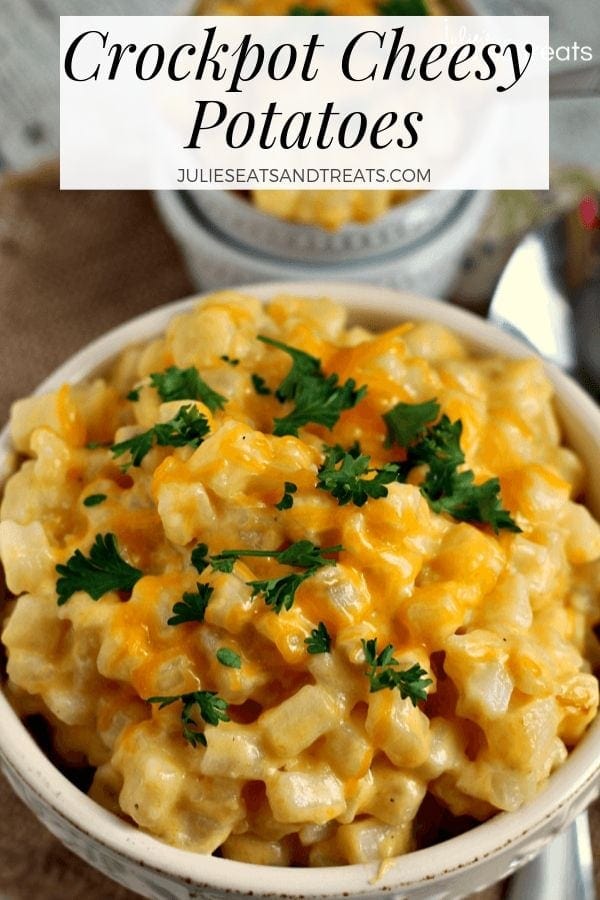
{"x": 312, "y": 768}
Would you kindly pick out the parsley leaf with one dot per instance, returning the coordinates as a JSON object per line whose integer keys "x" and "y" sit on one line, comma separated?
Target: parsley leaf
{"x": 212, "y": 709}
{"x": 342, "y": 475}
{"x": 450, "y": 491}
{"x": 476, "y": 503}
{"x": 287, "y": 501}
{"x": 279, "y": 592}
{"x": 402, "y": 8}
{"x": 320, "y": 401}
{"x": 191, "y": 607}
{"x": 94, "y": 499}
{"x": 133, "y": 395}
{"x": 406, "y": 422}
{"x": 188, "y": 427}
{"x": 440, "y": 450}
{"x": 229, "y": 658}
{"x": 186, "y": 384}
{"x": 303, "y": 366}
{"x": 318, "y": 398}
{"x": 260, "y": 385}
{"x": 303, "y": 554}
{"x": 200, "y": 558}
{"x": 103, "y": 571}
{"x": 382, "y": 673}
{"x": 228, "y": 359}
{"x": 319, "y": 640}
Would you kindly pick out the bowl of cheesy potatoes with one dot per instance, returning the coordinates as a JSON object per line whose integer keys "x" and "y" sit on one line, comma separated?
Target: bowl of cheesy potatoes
{"x": 306, "y": 576}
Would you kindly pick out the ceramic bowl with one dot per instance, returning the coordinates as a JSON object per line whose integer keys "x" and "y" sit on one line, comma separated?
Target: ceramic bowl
{"x": 232, "y": 214}
{"x": 428, "y": 263}
{"x": 447, "y": 870}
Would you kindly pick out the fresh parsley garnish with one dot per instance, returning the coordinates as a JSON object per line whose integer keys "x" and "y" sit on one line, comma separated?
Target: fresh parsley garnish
{"x": 102, "y": 571}
{"x": 402, "y": 8}
{"x": 188, "y": 427}
{"x": 279, "y": 593}
{"x": 382, "y": 672}
{"x": 94, "y": 499}
{"x": 200, "y": 559}
{"x": 191, "y": 607}
{"x": 287, "y": 501}
{"x": 300, "y": 10}
{"x": 212, "y": 709}
{"x": 229, "y": 658}
{"x": 407, "y": 422}
{"x": 319, "y": 640}
{"x": 303, "y": 554}
{"x": 260, "y": 385}
{"x": 318, "y": 398}
{"x": 133, "y": 395}
{"x": 349, "y": 479}
{"x": 449, "y": 490}
{"x": 186, "y": 384}
{"x": 229, "y": 360}
{"x": 471, "y": 502}
{"x": 303, "y": 366}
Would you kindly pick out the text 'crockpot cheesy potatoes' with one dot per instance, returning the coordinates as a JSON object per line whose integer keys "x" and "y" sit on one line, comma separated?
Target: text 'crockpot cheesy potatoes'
{"x": 300, "y": 593}
{"x": 329, "y": 209}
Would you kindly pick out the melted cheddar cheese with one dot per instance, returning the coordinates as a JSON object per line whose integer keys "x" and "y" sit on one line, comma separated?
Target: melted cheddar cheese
{"x": 312, "y": 768}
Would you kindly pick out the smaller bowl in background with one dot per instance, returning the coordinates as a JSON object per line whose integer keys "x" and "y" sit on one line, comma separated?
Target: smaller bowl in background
{"x": 240, "y": 245}
{"x": 235, "y": 215}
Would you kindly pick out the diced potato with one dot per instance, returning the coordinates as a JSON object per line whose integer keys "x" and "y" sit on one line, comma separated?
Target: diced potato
{"x": 577, "y": 700}
{"x": 399, "y": 728}
{"x": 27, "y": 558}
{"x": 296, "y": 723}
{"x": 397, "y": 795}
{"x": 525, "y": 734}
{"x": 235, "y": 752}
{"x": 252, "y": 849}
{"x": 348, "y": 750}
{"x": 477, "y": 664}
{"x": 369, "y": 840}
{"x": 306, "y": 796}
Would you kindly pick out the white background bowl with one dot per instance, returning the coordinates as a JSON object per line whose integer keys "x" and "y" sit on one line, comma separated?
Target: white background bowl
{"x": 448, "y": 870}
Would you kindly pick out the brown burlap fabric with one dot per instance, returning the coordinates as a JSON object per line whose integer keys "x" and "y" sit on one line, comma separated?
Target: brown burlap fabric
{"x": 73, "y": 265}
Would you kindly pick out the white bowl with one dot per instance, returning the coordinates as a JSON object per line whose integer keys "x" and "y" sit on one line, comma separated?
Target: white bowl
{"x": 447, "y": 870}
{"x": 429, "y": 264}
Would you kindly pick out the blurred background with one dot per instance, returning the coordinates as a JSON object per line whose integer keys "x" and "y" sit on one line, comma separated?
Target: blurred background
{"x": 74, "y": 264}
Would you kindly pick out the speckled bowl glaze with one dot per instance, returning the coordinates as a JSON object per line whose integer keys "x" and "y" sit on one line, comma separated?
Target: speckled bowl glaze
{"x": 428, "y": 263}
{"x": 236, "y": 217}
{"x": 448, "y": 870}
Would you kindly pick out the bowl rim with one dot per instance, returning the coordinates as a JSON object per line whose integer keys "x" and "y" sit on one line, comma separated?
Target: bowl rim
{"x": 505, "y": 830}
{"x": 242, "y": 222}
{"x": 188, "y": 223}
